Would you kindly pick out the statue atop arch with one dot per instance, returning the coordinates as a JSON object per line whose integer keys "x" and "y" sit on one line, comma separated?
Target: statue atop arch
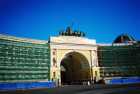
{"x": 69, "y": 32}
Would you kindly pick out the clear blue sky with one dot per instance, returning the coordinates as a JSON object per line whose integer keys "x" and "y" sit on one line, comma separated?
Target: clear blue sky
{"x": 102, "y": 20}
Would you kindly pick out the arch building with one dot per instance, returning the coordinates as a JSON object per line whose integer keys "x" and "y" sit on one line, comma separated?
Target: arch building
{"x": 69, "y": 58}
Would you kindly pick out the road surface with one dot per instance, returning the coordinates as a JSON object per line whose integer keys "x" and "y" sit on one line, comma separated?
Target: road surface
{"x": 83, "y": 89}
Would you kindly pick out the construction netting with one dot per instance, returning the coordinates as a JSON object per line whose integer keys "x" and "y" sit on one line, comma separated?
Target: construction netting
{"x": 24, "y": 61}
{"x": 119, "y": 61}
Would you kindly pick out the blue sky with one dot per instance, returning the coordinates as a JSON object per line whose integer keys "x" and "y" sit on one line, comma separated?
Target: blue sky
{"x": 102, "y": 20}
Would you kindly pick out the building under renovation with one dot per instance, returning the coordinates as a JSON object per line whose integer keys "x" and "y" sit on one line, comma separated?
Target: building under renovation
{"x": 119, "y": 62}
{"x": 69, "y": 58}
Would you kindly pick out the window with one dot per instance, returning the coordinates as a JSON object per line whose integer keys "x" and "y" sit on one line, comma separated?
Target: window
{"x": 95, "y": 73}
{"x": 54, "y": 53}
{"x": 54, "y": 62}
{"x": 54, "y": 74}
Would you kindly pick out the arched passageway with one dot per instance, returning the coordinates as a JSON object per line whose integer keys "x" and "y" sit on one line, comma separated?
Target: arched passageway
{"x": 75, "y": 69}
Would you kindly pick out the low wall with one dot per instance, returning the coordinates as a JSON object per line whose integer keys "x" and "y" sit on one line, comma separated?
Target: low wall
{"x": 25, "y": 85}
{"x": 123, "y": 80}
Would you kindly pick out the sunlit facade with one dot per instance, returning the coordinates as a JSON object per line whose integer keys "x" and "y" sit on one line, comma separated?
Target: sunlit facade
{"x": 69, "y": 58}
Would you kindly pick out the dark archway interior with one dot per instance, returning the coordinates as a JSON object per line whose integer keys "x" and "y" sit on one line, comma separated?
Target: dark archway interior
{"x": 74, "y": 69}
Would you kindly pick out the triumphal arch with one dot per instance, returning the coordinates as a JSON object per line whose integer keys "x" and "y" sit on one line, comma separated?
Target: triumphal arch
{"x": 73, "y": 58}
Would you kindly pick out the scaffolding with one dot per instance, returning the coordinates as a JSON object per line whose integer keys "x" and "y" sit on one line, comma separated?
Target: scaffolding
{"x": 23, "y": 59}
{"x": 119, "y": 61}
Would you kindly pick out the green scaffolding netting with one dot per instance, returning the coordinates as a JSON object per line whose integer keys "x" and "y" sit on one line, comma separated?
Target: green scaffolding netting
{"x": 119, "y": 60}
{"x": 24, "y": 61}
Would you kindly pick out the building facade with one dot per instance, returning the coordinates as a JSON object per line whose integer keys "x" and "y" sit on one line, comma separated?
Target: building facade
{"x": 23, "y": 62}
{"x": 73, "y": 59}
{"x": 119, "y": 62}
{"x": 69, "y": 58}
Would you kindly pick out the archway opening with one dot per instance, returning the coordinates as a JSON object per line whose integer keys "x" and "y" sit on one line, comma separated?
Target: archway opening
{"x": 75, "y": 69}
